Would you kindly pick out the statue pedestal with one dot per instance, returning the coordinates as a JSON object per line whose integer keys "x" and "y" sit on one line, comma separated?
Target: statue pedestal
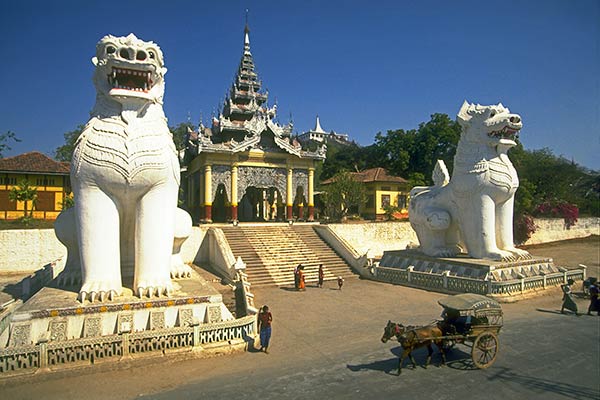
{"x": 54, "y": 314}
{"x": 462, "y": 274}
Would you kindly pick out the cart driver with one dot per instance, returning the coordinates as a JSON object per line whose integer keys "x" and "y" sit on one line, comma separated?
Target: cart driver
{"x": 455, "y": 323}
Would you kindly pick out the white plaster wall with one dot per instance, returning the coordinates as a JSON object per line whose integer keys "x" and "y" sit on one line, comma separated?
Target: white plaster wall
{"x": 376, "y": 237}
{"x": 552, "y": 230}
{"x": 27, "y": 250}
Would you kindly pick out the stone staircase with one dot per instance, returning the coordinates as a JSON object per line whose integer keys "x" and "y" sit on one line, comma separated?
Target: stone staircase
{"x": 272, "y": 251}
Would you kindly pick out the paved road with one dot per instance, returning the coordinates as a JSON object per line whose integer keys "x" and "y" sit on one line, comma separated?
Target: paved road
{"x": 326, "y": 344}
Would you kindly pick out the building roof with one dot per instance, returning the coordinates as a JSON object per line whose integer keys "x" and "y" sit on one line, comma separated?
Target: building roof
{"x": 372, "y": 175}
{"x": 33, "y": 162}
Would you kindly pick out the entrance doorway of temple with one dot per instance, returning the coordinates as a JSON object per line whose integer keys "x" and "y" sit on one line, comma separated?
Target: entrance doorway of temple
{"x": 299, "y": 202}
{"x": 220, "y": 207}
{"x": 261, "y": 205}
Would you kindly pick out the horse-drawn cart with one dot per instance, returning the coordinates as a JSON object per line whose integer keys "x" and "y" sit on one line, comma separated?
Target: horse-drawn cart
{"x": 470, "y": 319}
{"x": 475, "y": 319}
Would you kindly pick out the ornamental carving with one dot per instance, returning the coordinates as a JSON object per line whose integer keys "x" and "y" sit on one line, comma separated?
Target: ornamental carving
{"x": 220, "y": 174}
{"x": 261, "y": 177}
{"x": 300, "y": 179}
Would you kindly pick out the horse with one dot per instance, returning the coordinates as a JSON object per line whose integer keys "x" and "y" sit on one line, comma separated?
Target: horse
{"x": 414, "y": 337}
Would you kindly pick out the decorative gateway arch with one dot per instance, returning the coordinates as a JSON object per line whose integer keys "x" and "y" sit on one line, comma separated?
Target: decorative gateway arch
{"x": 246, "y": 166}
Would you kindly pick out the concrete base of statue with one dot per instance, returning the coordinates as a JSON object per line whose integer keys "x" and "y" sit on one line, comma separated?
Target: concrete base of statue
{"x": 463, "y": 274}
{"x": 55, "y": 315}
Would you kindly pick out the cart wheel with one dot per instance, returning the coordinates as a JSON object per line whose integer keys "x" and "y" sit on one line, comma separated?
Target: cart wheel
{"x": 485, "y": 350}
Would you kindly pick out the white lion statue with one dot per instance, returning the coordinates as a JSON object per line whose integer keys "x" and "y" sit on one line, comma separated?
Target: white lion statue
{"x": 473, "y": 211}
{"x": 125, "y": 175}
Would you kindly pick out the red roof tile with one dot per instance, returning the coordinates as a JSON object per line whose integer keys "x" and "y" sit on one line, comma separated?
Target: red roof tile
{"x": 372, "y": 175}
{"x": 34, "y": 162}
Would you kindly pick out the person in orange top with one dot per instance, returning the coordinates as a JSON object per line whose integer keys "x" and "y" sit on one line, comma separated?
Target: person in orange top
{"x": 301, "y": 283}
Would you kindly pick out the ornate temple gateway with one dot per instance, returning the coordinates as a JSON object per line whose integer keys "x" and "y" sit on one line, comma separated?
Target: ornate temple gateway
{"x": 247, "y": 167}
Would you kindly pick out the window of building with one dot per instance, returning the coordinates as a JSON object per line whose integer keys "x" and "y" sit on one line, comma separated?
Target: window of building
{"x": 9, "y": 181}
{"x": 45, "y": 201}
{"x": 402, "y": 200}
{"x": 385, "y": 200}
{"x": 5, "y": 203}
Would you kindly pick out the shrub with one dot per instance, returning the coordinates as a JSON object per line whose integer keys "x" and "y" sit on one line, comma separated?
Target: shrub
{"x": 558, "y": 209}
{"x": 524, "y": 227}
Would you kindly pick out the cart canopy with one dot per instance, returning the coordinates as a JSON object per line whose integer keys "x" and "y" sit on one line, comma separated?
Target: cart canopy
{"x": 470, "y": 303}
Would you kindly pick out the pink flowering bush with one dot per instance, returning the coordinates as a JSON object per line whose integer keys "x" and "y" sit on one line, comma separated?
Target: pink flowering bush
{"x": 524, "y": 227}
{"x": 558, "y": 209}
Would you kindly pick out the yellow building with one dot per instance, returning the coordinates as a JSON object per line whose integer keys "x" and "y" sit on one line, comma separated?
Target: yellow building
{"x": 49, "y": 177}
{"x": 382, "y": 189}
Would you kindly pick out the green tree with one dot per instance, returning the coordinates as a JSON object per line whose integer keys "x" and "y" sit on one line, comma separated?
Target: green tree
{"x": 24, "y": 192}
{"x": 4, "y": 138}
{"x": 341, "y": 195}
{"x": 417, "y": 151}
{"x": 65, "y": 152}
{"x": 179, "y": 133}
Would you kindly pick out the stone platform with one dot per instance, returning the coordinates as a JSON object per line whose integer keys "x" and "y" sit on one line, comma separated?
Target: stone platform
{"x": 54, "y": 314}
{"x": 462, "y": 274}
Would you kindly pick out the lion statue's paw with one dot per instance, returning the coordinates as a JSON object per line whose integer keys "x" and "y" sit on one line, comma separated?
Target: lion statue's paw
{"x": 520, "y": 254}
{"x": 181, "y": 271}
{"x": 100, "y": 290}
{"x": 446, "y": 251}
{"x": 154, "y": 288}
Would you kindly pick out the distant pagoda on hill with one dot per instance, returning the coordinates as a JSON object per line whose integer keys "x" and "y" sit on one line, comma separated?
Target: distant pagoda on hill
{"x": 245, "y": 158}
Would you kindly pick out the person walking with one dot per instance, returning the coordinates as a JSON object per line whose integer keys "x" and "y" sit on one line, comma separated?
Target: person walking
{"x": 265, "y": 318}
{"x": 297, "y": 276}
{"x": 301, "y": 282}
{"x": 568, "y": 301}
{"x": 340, "y": 281}
{"x": 321, "y": 276}
{"x": 594, "y": 301}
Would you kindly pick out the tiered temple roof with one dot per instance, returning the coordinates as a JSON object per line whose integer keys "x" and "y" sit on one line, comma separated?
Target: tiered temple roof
{"x": 247, "y": 122}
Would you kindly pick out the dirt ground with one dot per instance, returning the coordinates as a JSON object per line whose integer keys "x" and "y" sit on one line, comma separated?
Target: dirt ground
{"x": 571, "y": 253}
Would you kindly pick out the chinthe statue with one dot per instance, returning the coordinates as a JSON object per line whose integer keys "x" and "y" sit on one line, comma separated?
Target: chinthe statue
{"x": 125, "y": 175}
{"x": 472, "y": 212}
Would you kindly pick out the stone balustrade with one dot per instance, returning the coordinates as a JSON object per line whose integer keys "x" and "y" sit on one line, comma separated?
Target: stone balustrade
{"x": 454, "y": 284}
{"x": 87, "y": 351}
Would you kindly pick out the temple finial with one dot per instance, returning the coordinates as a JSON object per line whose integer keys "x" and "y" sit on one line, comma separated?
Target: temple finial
{"x": 246, "y": 31}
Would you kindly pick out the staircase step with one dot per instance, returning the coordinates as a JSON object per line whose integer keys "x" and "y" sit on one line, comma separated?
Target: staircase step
{"x": 272, "y": 252}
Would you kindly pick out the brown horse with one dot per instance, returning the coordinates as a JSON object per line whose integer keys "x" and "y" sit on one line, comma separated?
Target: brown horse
{"x": 414, "y": 337}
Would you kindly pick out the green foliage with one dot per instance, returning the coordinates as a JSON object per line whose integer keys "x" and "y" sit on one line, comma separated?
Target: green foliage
{"x": 350, "y": 157}
{"x": 524, "y": 227}
{"x": 179, "y": 133}
{"x": 24, "y": 192}
{"x": 545, "y": 177}
{"x": 417, "y": 151}
{"x": 342, "y": 195}
{"x": 65, "y": 152}
{"x": 4, "y": 138}
{"x": 68, "y": 202}
{"x": 416, "y": 179}
{"x": 390, "y": 210}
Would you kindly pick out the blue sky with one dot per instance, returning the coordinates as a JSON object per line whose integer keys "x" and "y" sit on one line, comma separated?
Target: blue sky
{"x": 363, "y": 67}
